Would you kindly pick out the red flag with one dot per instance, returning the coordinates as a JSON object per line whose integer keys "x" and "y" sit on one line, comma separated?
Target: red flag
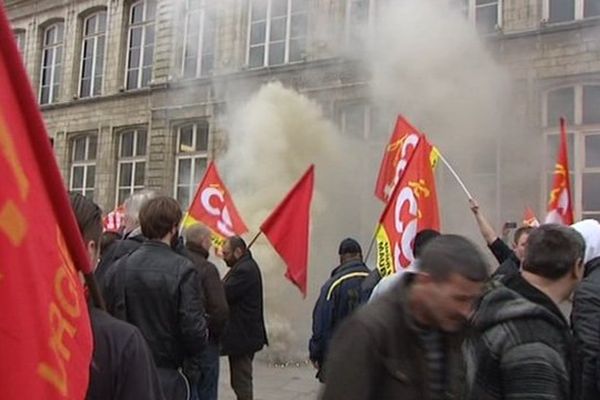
{"x": 398, "y": 152}
{"x": 45, "y": 334}
{"x": 212, "y": 205}
{"x": 113, "y": 221}
{"x": 560, "y": 206}
{"x": 287, "y": 229}
{"x": 412, "y": 208}
{"x": 529, "y": 218}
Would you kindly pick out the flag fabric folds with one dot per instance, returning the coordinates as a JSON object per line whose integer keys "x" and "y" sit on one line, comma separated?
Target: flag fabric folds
{"x": 45, "y": 333}
{"x": 287, "y": 228}
{"x": 412, "y": 207}
{"x": 395, "y": 159}
{"x": 560, "y": 205}
{"x": 213, "y": 206}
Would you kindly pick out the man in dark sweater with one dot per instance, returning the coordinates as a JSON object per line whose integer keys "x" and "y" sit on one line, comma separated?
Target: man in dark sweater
{"x": 198, "y": 243}
{"x": 522, "y": 346}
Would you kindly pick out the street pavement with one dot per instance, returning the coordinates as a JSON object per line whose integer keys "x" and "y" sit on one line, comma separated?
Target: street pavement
{"x": 275, "y": 382}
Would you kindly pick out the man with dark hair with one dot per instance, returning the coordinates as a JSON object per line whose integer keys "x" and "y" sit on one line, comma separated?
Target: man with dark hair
{"x": 522, "y": 342}
{"x": 198, "y": 241}
{"x": 407, "y": 344}
{"x": 509, "y": 258}
{"x": 122, "y": 366}
{"x": 339, "y": 297}
{"x": 159, "y": 291}
{"x": 245, "y": 332}
{"x": 421, "y": 239}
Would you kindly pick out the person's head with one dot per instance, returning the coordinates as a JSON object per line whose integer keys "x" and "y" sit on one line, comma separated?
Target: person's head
{"x": 421, "y": 239}
{"x": 555, "y": 254}
{"x": 159, "y": 219}
{"x": 590, "y": 230}
{"x": 520, "y": 241}
{"x": 132, "y": 207}
{"x": 452, "y": 272}
{"x": 89, "y": 220}
{"x": 233, "y": 249}
{"x": 349, "y": 250}
{"x": 198, "y": 235}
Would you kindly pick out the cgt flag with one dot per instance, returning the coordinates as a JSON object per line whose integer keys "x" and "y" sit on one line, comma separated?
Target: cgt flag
{"x": 402, "y": 145}
{"x": 412, "y": 207}
{"x": 560, "y": 206}
{"x": 45, "y": 334}
{"x": 212, "y": 206}
{"x": 287, "y": 228}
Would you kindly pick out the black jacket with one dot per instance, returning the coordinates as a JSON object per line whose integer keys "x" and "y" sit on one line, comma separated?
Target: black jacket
{"x": 521, "y": 346}
{"x": 245, "y": 331}
{"x": 122, "y": 366}
{"x": 113, "y": 254}
{"x": 158, "y": 291}
{"x": 213, "y": 293}
{"x": 376, "y": 354}
{"x": 585, "y": 319}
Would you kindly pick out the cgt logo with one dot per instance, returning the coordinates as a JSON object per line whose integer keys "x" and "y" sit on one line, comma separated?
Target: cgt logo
{"x": 402, "y": 148}
{"x": 213, "y": 201}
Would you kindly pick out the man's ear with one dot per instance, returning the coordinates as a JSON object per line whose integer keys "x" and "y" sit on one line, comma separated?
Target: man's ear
{"x": 579, "y": 269}
{"x": 423, "y": 278}
{"x": 93, "y": 251}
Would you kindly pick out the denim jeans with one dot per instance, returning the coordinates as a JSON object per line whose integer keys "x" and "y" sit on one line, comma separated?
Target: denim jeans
{"x": 208, "y": 386}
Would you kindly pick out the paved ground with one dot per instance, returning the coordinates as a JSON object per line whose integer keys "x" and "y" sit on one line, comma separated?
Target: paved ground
{"x": 292, "y": 382}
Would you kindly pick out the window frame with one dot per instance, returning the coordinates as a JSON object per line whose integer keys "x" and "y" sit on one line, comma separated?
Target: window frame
{"x": 367, "y": 110}
{"x": 194, "y": 156}
{"x": 52, "y": 98}
{"x": 144, "y": 24}
{"x": 205, "y": 12}
{"x": 578, "y": 15}
{"x": 266, "y": 44}
{"x": 579, "y": 131}
{"x": 134, "y": 160}
{"x": 471, "y": 9}
{"x": 94, "y": 58}
{"x": 86, "y": 163}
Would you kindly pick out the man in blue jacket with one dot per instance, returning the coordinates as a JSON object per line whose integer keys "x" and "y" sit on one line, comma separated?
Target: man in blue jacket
{"x": 340, "y": 295}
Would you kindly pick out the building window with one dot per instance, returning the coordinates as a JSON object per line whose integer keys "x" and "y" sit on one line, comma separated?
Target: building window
{"x": 51, "y": 63}
{"x": 132, "y": 163}
{"x": 569, "y": 10}
{"x": 355, "y": 120}
{"x": 92, "y": 54}
{"x": 192, "y": 155}
{"x": 140, "y": 44}
{"x": 20, "y": 40}
{"x": 277, "y": 32}
{"x": 83, "y": 165}
{"x": 485, "y": 14}
{"x": 581, "y": 106}
{"x": 199, "y": 44}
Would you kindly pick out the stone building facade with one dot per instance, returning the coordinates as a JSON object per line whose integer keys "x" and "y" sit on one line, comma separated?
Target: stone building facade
{"x": 134, "y": 93}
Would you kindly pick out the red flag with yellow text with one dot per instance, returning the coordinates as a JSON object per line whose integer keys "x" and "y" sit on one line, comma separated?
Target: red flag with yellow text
{"x": 398, "y": 152}
{"x": 213, "y": 206}
{"x": 560, "y": 205}
{"x": 412, "y": 207}
{"x": 287, "y": 228}
{"x": 45, "y": 334}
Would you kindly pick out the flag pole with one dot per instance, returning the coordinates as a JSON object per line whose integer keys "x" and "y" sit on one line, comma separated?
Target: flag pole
{"x": 254, "y": 239}
{"x": 453, "y": 172}
{"x": 372, "y": 243}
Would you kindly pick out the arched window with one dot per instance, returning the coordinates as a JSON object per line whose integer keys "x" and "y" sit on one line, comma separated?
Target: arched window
{"x": 83, "y": 164}
{"x": 191, "y": 159}
{"x": 52, "y": 53}
{"x": 131, "y": 174}
{"x": 92, "y": 54}
{"x": 199, "y": 43}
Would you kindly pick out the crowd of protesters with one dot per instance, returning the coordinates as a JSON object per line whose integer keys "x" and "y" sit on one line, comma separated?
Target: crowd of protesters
{"x": 449, "y": 326}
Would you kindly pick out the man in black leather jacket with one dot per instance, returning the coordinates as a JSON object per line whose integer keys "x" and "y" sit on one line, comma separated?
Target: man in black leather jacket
{"x": 159, "y": 291}
{"x": 245, "y": 332}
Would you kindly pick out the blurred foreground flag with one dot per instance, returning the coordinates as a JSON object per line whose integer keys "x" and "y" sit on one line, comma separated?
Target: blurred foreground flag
{"x": 45, "y": 334}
